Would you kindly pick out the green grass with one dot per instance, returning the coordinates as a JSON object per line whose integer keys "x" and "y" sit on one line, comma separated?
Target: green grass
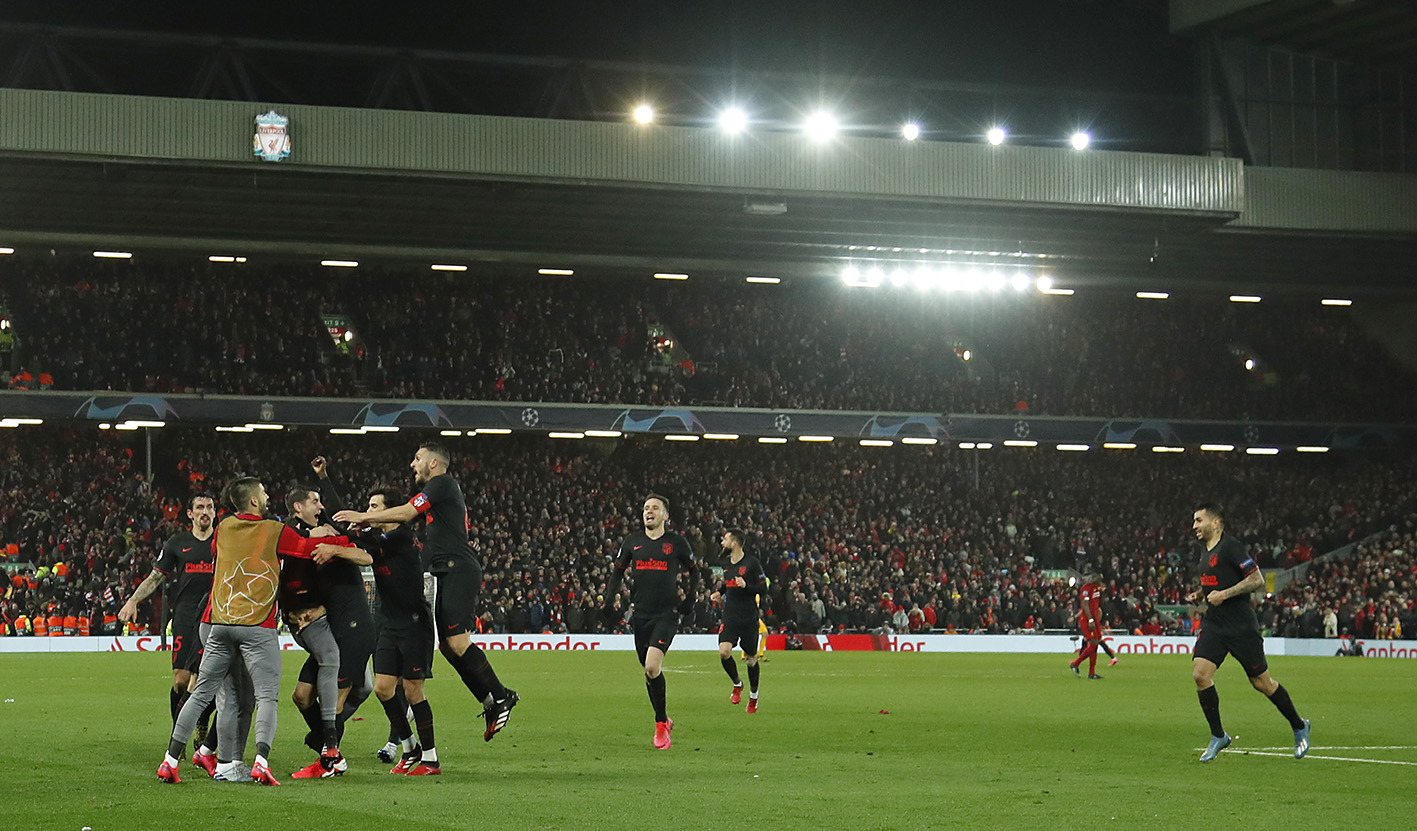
{"x": 969, "y": 741}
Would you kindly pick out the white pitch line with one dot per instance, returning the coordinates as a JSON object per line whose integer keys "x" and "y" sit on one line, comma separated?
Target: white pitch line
{"x": 1347, "y": 747}
{"x": 1329, "y": 758}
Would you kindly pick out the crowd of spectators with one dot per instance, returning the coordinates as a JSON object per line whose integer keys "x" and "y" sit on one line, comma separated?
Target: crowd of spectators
{"x": 1367, "y": 595}
{"x": 854, "y": 539}
{"x": 224, "y": 328}
{"x": 82, "y": 518}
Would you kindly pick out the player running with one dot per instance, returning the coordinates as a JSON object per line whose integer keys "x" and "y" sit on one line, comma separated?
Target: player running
{"x": 743, "y": 582}
{"x": 656, "y": 555}
{"x": 1228, "y": 576}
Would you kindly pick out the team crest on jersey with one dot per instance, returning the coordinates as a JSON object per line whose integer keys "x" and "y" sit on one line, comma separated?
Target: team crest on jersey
{"x": 742, "y": 569}
{"x": 668, "y": 548}
{"x": 1213, "y": 560}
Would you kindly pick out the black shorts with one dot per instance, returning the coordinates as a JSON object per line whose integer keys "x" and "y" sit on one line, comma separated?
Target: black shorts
{"x": 1247, "y": 647}
{"x": 742, "y": 633}
{"x": 186, "y": 647}
{"x": 404, "y": 654}
{"x": 356, "y": 639}
{"x": 657, "y": 631}
{"x": 456, "y": 610}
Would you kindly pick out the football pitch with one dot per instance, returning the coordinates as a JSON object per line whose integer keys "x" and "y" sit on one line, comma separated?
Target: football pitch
{"x": 842, "y": 740}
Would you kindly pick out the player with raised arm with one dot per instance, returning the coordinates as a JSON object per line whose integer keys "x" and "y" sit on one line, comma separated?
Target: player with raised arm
{"x": 655, "y": 556}
{"x": 403, "y": 656}
{"x": 743, "y": 582}
{"x": 187, "y": 556}
{"x": 1228, "y": 576}
{"x": 242, "y": 614}
{"x": 449, "y": 557}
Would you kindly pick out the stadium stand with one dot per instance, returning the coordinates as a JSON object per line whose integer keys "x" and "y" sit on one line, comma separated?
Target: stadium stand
{"x": 259, "y": 330}
{"x": 848, "y": 534}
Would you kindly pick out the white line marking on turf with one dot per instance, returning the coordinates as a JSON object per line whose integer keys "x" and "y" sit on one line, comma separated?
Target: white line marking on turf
{"x": 1330, "y": 758}
{"x": 1343, "y": 747}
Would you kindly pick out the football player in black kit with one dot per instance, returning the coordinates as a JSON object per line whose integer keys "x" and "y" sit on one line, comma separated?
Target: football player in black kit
{"x": 328, "y": 614}
{"x": 404, "y": 648}
{"x": 656, "y": 556}
{"x": 187, "y": 555}
{"x": 449, "y": 558}
{"x": 743, "y": 582}
{"x": 1228, "y": 576}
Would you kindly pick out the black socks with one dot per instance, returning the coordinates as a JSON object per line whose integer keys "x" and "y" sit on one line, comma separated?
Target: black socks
{"x": 1210, "y": 705}
{"x": 656, "y": 696}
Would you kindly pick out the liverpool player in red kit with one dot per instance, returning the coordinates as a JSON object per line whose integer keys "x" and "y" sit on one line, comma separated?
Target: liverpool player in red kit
{"x": 1228, "y": 576}
{"x": 1090, "y": 624}
{"x": 656, "y": 556}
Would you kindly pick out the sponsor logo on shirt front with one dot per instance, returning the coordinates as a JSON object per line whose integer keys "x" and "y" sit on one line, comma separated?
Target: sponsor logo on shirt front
{"x": 651, "y": 565}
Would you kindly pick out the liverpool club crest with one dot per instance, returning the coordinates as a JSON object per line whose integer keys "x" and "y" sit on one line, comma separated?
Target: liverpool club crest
{"x": 272, "y": 139}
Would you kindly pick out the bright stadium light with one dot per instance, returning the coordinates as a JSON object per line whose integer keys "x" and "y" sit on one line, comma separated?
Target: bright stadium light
{"x": 1217, "y": 448}
{"x": 681, "y": 437}
{"x": 1119, "y": 445}
{"x": 1244, "y": 298}
{"x": 1311, "y": 448}
{"x": 1080, "y": 140}
{"x": 644, "y": 114}
{"x": 6, "y": 251}
{"x": 603, "y": 434}
{"x": 1074, "y": 448}
{"x": 1044, "y": 283}
{"x": 1153, "y": 295}
{"x": 733, "y": 120}
{"x": 556, "y": 272}
{"x": 915, "y": 440}
{"x": 339, "y": 263}
{"x": 820, "y": 126}
{"x": 996, "y": 136}
{"x": 450, "y": 432}
{"x": 877, "y": 443}
{"x": 1020, "y": 443}
{"x": 566, "y": 435}
{"x": 771, "y": 440}
{"x": 1249, "y": 364}
{"x": 447, "y": 267}
{"x": 767, "y": 281}
{"x": 1019, "y": 281}
{"x": 910, "y": 132}
{"x": 900, "y": 277}
{"x": 113, "y": 255}
{"x": 1336, "y": 301}
{"x": 1262, "y": 451}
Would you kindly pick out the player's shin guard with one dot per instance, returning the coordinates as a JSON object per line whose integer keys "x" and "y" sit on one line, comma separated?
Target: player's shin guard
{"x": 402, "y": 700}
{"x": 655, "y": 686}
{"x": 754, "y": 670}
{"x": 730, "y": 666}
{"x": 476, "y": 673}
{"x": 1281, "y": 701}
{"x": 1210, "y": 705}
{"x": 423, "y": 718}
{"x": 397, "y": 711}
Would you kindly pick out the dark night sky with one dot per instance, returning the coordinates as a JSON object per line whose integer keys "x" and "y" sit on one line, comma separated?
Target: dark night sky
{"x": 1119, "y": 45}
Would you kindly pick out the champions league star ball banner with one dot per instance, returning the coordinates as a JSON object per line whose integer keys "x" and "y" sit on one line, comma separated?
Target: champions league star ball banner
{"x": 998, "y": 644}
{"x": 355, "y": 415}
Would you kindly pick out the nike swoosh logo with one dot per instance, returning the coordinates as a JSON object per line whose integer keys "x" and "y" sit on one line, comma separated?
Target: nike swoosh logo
{"x": 185, "y": 550}
{"x": 638, "y": 547}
